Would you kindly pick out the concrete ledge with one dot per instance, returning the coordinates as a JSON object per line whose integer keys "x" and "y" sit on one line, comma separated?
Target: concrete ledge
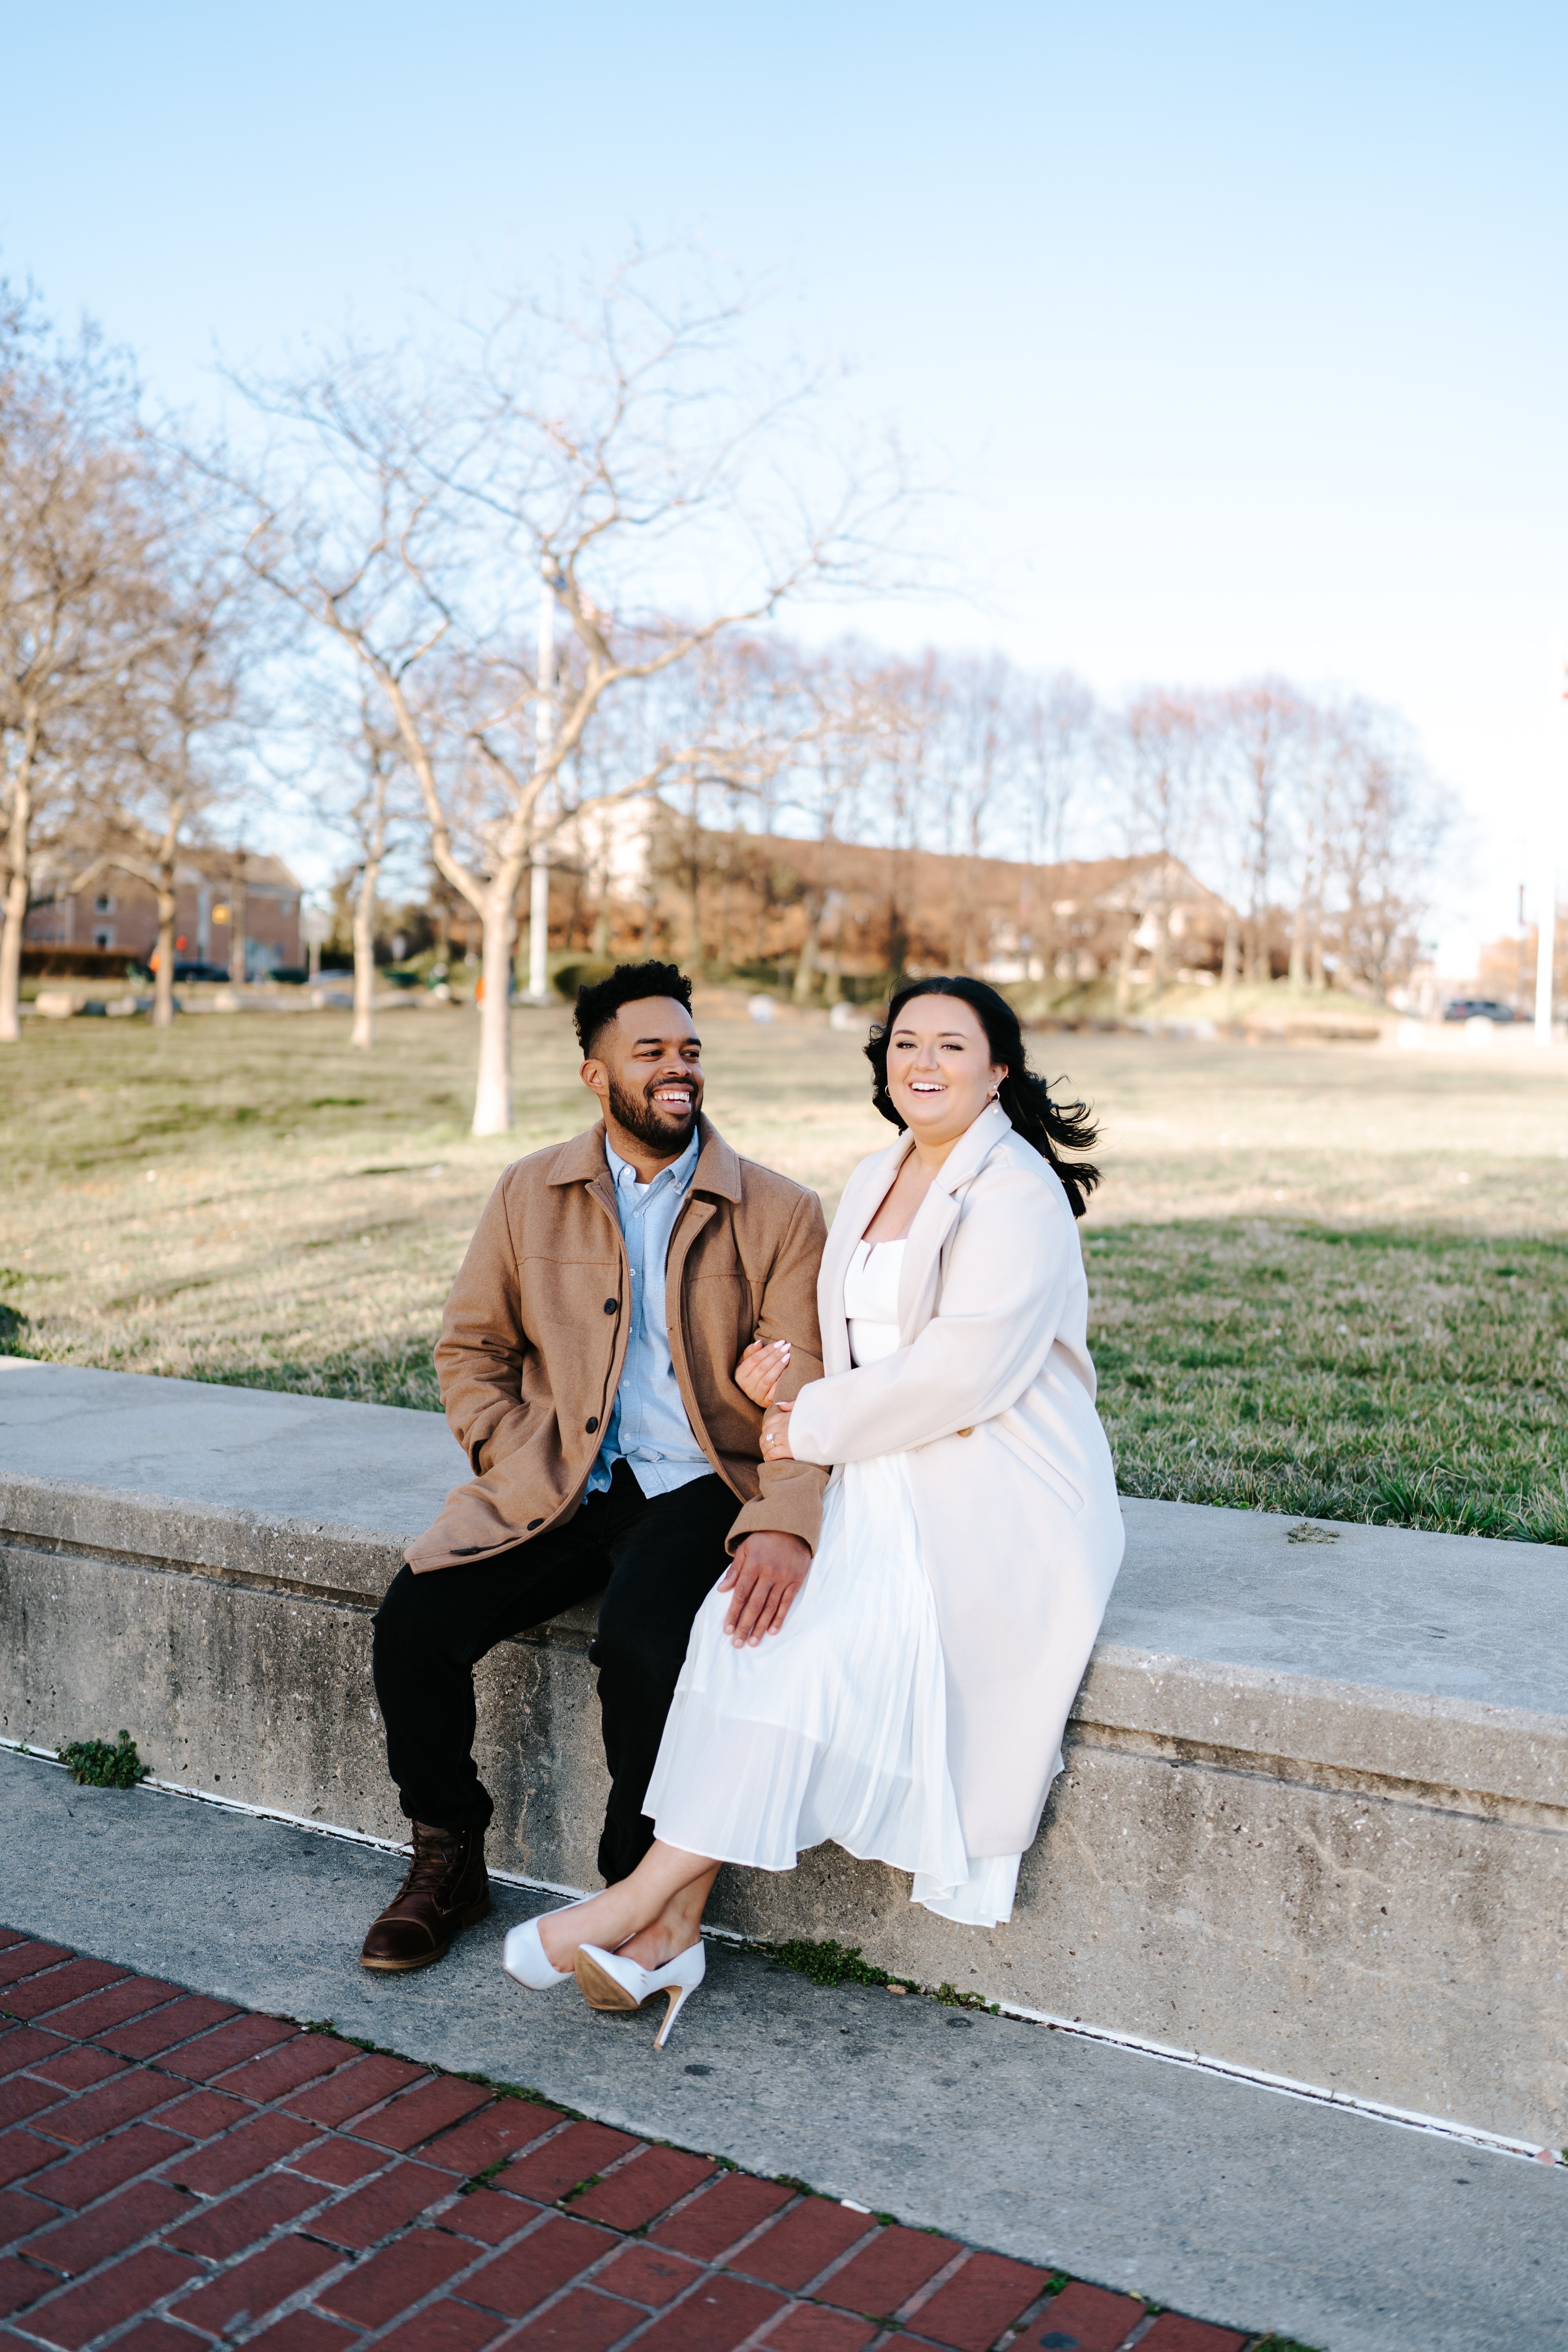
{"x": 1314, "y": 1822}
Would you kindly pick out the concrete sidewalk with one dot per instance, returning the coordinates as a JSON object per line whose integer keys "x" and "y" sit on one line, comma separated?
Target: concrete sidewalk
{"x": 1252, "y": 2208}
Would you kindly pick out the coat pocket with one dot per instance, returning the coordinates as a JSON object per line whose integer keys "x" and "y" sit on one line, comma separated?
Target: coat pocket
{"x": 1039, "y": 1465}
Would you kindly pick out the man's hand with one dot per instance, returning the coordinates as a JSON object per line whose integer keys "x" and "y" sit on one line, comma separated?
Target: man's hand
{"x": 765, "y": 1576}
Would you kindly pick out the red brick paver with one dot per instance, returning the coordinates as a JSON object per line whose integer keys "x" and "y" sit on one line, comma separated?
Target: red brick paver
{"x": 730, "y": 2209}
{"x": 38, "y": 1996}
{"x": 355, "y": 2090}
{"x": 173, "y": 2170}
{"x": 1087, "y": 2319}
{"x": 880, "y": 2279}
{"x": 981, "y": 2298}
{"x": 166, "y": 2027}
{"x": 802, "y": 2243}
{"x": 521, "y": 2279}
{"x": 637, "y": 2192}
{"x": 25, "y": 1958}
{"x": 1171, "y": 2333}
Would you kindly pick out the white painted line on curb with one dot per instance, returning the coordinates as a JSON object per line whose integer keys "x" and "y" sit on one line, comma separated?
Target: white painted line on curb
{"x": 1404, "y": 2119}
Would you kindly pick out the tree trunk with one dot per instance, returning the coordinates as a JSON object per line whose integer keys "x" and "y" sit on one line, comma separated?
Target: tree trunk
{"x": 492, "y": 1096}
{"x": 363, "y": 1030}
{"x": 15, "y": 918}
{"x": 1298, "y": 942}
{"x": 1124, "y": 966}
{"x": 236, "y": 929}
{"x": 163, "y": 977}
{"x": 694, "y": 888}
{"x": 15, "y": 906}
{"x": 805, "y": 967}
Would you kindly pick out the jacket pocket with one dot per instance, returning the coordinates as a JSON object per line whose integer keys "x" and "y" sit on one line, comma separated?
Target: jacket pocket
{"x": 1041, "y": 1465}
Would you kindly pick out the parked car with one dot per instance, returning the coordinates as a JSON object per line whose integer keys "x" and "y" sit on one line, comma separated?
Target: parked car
{"x": 1478, "y": 1008}
{"x": 183, "y": 971}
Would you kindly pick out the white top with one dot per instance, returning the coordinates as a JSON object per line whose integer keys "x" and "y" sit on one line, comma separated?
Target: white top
{"x": 871, "y": 1300}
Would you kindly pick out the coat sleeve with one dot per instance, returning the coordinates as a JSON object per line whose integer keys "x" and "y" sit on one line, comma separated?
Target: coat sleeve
{"x": 790, "y": 1502}
{"x": 1009, "y": 1266}
{"x": 480, "y": 1351}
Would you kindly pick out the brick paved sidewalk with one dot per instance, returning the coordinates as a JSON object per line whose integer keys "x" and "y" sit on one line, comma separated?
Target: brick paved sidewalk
{"x": 174, "y": 2171}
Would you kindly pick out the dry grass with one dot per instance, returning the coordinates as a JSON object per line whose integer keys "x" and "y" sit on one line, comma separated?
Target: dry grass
{"x": 1325, "y": 1279}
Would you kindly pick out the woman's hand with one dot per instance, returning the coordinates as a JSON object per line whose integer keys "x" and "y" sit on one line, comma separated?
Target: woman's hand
{"x": 761, "y": 1368}
{"x": 776, "y": 1433}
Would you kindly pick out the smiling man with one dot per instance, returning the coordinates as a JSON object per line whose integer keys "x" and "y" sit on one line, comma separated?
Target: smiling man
{"x": 587, "y": 1362}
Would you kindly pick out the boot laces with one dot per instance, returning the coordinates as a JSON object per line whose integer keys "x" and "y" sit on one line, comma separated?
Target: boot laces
{"x": 431, "y": 1865}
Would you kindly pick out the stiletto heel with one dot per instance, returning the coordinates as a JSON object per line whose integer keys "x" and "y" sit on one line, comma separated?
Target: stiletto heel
{"x": 524, "y": 1957}
{"x": 677, "y": 1995}
{"x": 607, "y": 1981}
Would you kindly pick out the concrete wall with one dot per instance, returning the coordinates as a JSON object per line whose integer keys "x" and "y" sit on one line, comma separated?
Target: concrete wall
{"x": 1314, "y": 1820}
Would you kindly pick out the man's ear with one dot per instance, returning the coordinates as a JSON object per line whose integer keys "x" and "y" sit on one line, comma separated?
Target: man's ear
{"x": 596, "y": 1077}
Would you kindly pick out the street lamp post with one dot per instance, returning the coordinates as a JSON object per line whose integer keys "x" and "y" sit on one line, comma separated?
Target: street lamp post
{"x": 543, "y": 736}
{"x": 1545, "y": 940}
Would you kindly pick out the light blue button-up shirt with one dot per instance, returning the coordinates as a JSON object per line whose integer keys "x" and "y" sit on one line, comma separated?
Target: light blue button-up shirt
{"x": 649, "y": 1427}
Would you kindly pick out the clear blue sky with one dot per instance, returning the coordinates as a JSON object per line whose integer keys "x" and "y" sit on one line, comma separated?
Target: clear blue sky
{"x": 1242, "y": 328}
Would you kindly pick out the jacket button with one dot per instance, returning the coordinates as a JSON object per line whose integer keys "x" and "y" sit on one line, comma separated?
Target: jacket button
{"x": 967, "y": 1432}
{"x": 534, "y": 1523}
{"x": 611, "y": 1305}
{"x": 592, "y": 1424}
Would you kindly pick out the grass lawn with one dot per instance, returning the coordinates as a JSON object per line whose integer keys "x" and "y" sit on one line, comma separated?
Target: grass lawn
{"x": 1325, "y": 1279}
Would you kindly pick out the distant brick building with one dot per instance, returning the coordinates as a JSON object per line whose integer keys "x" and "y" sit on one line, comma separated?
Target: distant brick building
{"x": 640, "y": 878}
{"x": 120, "y": 912}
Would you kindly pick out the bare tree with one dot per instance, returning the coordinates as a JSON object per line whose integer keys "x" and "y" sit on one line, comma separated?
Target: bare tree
{"x": 976, "y": 752}
{"x": 1259, "y": 731}
{"x": 1060, "y": 740}
{"x": 81, "y": 601}
{"x": 165, "y": 768}
{"x": 358, "y": 768}
{"x": 1158, "y": 753}
{"x": 907, "y": 713}
{"x": 1392, "y": 818}
{"x": 610, "y": 451}
{"x": 823, "y": 779}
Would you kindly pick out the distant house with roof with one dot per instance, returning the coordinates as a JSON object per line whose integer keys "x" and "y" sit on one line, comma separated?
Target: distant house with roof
{"x": 118, "y": 912}
{"x": 637, "y": 876}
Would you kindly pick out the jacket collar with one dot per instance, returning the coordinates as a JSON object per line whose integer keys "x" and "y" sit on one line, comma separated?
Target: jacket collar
{"x": 973, "y": 1148}
{"x": 967, "y": 1157}
{"x": 718, "y": 1167}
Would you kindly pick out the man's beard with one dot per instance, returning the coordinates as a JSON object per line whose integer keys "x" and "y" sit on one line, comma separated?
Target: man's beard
{"x": 638, "y": 1117}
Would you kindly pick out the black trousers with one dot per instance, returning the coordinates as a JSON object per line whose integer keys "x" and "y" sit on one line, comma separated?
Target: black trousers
{"x": 656, "y": 1560}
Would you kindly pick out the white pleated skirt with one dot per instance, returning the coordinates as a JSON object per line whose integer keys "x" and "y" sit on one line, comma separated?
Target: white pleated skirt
{"x": 835, "y": 1727}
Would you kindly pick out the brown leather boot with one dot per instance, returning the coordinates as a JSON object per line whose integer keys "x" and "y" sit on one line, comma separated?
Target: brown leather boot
{"x": 447, "y": 1889}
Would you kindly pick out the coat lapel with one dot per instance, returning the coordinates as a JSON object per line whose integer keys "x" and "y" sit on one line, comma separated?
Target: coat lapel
{"x": 937, "y": 1215}
{"x": 863, "y": 1195}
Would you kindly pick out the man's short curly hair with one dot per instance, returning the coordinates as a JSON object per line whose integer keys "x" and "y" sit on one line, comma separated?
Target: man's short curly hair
{"x": 599, "y": 1003}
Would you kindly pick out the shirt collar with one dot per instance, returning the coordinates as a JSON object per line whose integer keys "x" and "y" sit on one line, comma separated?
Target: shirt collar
{"x": 679, "y": 1171}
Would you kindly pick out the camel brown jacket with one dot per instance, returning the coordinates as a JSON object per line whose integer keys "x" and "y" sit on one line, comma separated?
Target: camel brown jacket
{"x": 534, "y": 1337}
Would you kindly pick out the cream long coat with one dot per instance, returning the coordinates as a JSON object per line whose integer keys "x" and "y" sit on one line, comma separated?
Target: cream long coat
{"x": 991, "y": 1394}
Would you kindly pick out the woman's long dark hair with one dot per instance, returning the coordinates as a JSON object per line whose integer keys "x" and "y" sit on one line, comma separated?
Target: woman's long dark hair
{"x": 1023, "y": 1094}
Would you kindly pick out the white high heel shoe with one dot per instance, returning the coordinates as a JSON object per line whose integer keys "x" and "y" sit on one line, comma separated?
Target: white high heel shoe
{"x": 605, "y": 1980}
{"x": 524, "y": 1957}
